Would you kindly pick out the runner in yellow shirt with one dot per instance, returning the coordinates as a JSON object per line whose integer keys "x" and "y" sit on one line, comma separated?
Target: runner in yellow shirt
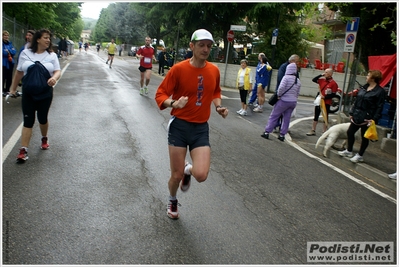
{"x": 111, "y": 52}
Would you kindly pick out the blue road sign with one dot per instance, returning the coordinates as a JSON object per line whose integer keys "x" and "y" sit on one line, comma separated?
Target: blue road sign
{"x": 275, "y": 33}
{"x": 352, "y": 25}
{"x": 350, "y": 38}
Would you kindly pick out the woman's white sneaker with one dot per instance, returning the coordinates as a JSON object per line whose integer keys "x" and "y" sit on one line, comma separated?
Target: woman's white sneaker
{"x": 357, "y": 158}
{"x": 345, "y": 153}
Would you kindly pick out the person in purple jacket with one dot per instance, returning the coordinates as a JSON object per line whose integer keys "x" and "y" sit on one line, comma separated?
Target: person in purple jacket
{"x": 287, "y": 93}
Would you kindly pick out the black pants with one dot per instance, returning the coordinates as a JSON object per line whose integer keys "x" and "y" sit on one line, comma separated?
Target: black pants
{"x": 243, "y": 95}
{"x": 30, "y": 107}
{"x": 353, "y": 128}
{"x": 7, "y": 78}
{"x": 161, "y": 67}
{"x": 317, "y": 111}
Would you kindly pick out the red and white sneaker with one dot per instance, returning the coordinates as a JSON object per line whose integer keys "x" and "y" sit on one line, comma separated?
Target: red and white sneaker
{"x": 45, "y": 144}
{"x": 172, "y": 209}
{"x": 22, "y": 156}
{"x": 186, "y": 181}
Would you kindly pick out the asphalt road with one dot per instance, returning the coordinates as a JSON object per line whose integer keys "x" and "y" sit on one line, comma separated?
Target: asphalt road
{"x": 99, "y": 194}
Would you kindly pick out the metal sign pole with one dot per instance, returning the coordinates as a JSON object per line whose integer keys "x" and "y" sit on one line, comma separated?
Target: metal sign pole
{"x": 352, "y": 27}
{"x": 225, "y": 69}
{"x": 343, "y": 86}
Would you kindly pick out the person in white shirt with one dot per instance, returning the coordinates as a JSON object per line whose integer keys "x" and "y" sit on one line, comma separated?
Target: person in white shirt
{"x": 40, "y": 50}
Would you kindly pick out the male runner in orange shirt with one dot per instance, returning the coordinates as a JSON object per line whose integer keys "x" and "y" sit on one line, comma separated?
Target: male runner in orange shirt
{"x": 189, "y": 88}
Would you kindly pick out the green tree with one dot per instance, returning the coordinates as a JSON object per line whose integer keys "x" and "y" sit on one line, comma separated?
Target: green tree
{"x": 309, "y": 13}
{"x": 119, "y": 21}
{"x": 177, "y": 21}
{"x": 283, "y": 16}
{"x": 63, "y": 19}
{"x": 68, "y": 20}
{"x": 215, "y": 17}
{"x": 34, "y": 15}
{"x": 377, "y": 28}
{"x": 160, "y": 20}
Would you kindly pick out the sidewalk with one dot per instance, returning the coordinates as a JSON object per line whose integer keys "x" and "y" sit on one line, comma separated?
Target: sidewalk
{"x": 379, "y": 158}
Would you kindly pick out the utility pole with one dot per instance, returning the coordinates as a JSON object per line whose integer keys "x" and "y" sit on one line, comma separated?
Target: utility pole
{"x": 274, "y": 43}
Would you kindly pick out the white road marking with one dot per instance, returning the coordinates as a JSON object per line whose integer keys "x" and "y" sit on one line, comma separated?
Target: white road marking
{"x": 369, "y": 187}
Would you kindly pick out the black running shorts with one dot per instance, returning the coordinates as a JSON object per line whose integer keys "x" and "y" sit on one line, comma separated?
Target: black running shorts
{"x": 183, "y": 133}
{"x": 142, "y": 69}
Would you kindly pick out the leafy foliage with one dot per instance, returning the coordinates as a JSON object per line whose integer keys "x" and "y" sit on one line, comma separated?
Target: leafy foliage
{"x": 377, "y": 28}
{"x": 121, "y": 22}
{"x": 309, "y": 13}
{"x": 63, "y": 19}
{"x": 289, "y": 40}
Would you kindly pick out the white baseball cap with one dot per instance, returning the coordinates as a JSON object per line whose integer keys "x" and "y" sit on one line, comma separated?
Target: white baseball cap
{"x": 202, "y": 34}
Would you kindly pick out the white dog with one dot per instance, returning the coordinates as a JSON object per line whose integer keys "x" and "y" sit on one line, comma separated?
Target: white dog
{"x": 336, "y": 132}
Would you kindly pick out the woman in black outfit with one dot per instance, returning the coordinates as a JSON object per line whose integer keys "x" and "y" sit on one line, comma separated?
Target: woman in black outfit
{"x": 367, "y": 108}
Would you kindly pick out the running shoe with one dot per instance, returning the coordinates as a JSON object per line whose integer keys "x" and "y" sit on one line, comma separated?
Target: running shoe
{"x": 258, "y": 110}
{"x": 146, "y": 90}
{"x": 172, "y": 209}
{"x": 186, "y": 181}
{"x": 239, "y": 111}
{"x": 357, "y": 158}
{"x": 265, "y": 135}
{"x": 45, "y": 144}
{"x": 141, "y": 91}
{"x": 345, "y": 153}
{"x": 243, "y": 113}
{"x": 22, "y": 156}
{"x": 311, "y": 132}
{"x": 281, "y": 138}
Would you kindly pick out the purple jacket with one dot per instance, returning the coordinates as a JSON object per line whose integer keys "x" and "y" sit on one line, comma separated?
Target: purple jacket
{"x": 289, "y": 80}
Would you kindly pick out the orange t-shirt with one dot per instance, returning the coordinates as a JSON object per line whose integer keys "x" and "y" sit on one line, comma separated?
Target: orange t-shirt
{"x": 200, "y": 85}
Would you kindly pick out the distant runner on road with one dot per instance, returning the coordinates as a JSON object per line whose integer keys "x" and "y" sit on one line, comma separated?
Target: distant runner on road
{"x": 146, "y": 54}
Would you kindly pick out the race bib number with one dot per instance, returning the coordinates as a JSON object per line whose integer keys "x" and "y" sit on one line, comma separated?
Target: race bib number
{"x": 147, "y": 60}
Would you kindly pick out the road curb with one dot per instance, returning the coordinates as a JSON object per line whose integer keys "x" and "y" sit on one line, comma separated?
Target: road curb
{"x": 379, "y": 178}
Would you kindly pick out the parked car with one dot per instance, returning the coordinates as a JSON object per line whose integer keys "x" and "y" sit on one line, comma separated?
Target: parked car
{"x": 132, "y": 51}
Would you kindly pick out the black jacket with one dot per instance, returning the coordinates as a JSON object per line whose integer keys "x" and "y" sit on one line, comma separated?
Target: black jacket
{"x": 368, "y": 105}
{"x": 161, "y": 57}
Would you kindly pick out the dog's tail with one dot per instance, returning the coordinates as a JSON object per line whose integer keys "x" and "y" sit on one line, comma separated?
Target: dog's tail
{"x": 322, "y": 137}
